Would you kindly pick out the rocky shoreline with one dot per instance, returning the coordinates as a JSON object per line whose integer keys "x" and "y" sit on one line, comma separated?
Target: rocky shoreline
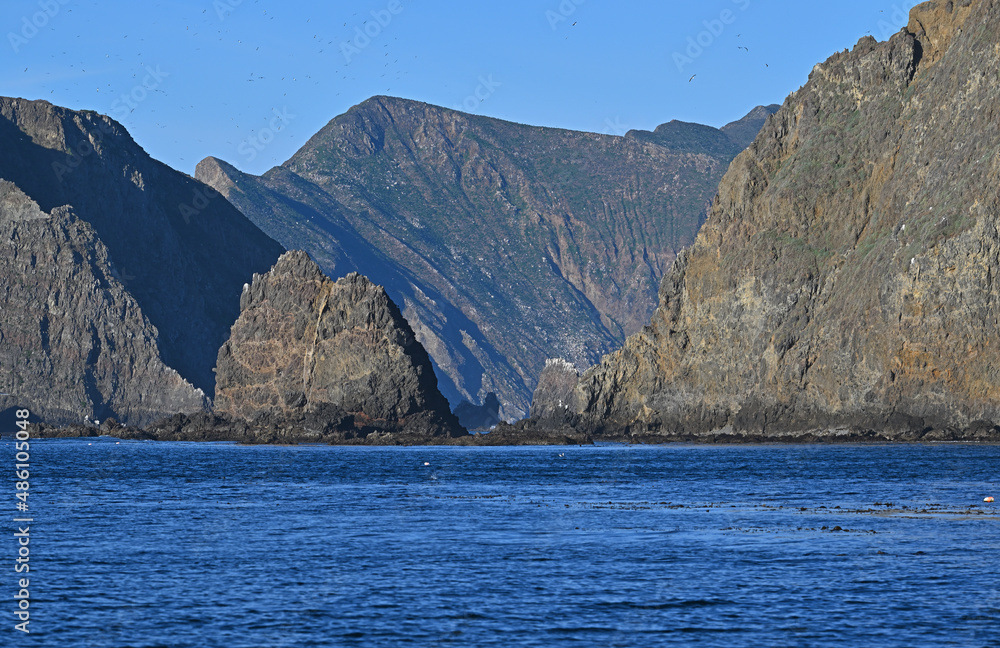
{"x": 209, "y": 427}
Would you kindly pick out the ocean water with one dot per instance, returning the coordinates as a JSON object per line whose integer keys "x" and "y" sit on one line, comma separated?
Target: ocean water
{"x": 182, "y": 544}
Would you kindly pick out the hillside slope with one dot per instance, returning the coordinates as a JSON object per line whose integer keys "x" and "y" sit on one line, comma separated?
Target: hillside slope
{"x": 503, "y": 244}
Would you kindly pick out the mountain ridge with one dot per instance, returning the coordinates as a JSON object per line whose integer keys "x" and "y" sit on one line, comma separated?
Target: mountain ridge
{"x": 504, "y": 244}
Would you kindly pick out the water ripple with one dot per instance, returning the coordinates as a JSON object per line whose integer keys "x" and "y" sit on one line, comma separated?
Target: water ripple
{"x": 205, "y": 545}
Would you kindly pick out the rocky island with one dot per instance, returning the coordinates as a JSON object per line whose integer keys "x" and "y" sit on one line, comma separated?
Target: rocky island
{"x": 503, "y": 244}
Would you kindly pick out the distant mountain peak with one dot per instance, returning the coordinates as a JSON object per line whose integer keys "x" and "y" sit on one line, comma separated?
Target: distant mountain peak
{"x": 743, "y": 131}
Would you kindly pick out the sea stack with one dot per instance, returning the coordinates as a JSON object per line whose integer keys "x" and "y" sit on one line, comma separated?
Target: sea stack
{"x": 304, "y": 344}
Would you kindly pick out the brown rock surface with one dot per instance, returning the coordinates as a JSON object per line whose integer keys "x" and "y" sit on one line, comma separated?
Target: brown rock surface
{"x": 553, "y": 396}
{"x": 846, "y": 276}
{"x": 303, "y": 342}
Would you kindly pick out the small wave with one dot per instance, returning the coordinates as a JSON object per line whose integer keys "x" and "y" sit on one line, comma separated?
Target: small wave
{"x": 581, "y": 629}
{"x": 663, "y": 605}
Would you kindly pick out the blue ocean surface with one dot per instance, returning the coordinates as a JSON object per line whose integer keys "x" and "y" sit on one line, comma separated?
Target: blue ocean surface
{"x": 181, "y": 544}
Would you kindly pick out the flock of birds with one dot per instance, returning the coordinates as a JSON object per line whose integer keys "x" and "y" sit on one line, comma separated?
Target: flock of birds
{"x": 70, "y": 79}
{"x": 222, "y": 40}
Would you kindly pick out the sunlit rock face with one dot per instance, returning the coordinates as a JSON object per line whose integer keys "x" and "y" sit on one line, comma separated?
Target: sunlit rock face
{"x": 304, "y": 343}
{"x": 846, "y": 274}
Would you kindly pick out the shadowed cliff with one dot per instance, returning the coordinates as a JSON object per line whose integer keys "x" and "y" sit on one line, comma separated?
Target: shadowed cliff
{"x": 121, "y": 277}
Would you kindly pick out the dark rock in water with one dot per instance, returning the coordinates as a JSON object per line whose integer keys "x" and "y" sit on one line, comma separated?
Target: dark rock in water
{"x": 121, "y": 276}
{"x": 505, "y": 434}
{"x": 305, "y": 346}
{"x": 479, "y": 417}
{"x": 845, "y": 281}
{"x": 503, "y": 244}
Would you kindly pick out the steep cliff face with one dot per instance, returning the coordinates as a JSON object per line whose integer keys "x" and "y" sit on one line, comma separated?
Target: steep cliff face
{"x": 846, "y": 273}
{"x": 73, "y": 342}
{"x": 178, "y": 249}
{"x": 304, "y": 344}
{"x": 553, "y": 396}
{"x": 503, "y": 244}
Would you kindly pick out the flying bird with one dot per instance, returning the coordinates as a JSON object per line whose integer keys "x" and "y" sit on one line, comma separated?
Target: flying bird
{"x": 692, "y": 78}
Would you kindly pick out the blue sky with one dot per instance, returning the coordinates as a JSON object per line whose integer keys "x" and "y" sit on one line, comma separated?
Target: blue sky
{"x": 249, "y": 81}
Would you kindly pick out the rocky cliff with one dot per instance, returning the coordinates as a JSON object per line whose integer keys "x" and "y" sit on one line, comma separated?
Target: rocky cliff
{"x": 74, "y": 343}
{"x": 503, "y": 244}
{"x": 553, "y": 396}
{"x": 846, "y": 275}
{"x": 123, "y": 283}
{"x": 340, "y": 351}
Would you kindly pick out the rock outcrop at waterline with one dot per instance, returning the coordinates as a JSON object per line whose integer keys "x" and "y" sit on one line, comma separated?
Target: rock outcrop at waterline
{"x": 846, "y": 276}
{"x": 554, "y": 394}
{"x": 324, "y": 354}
